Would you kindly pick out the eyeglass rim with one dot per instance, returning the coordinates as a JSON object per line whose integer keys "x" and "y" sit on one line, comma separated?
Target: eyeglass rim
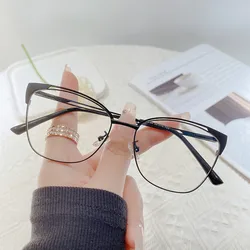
{"x": 67, "y": 162}
{"x": 32, "y": 87}
{"x": 166, "y": 189}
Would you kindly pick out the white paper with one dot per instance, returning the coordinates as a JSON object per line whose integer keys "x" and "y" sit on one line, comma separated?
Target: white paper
{"x": 213, "y": 87}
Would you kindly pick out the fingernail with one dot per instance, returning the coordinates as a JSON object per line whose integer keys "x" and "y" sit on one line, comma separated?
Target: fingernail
{"x": 129, "y": 108}
{"x": 67, "y": 68}
{"x": 185, "y": 116}
{"x": 139, "y": 238}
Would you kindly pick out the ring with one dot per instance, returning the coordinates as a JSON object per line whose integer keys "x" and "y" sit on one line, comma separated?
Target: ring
{"x": 63, "y": 131}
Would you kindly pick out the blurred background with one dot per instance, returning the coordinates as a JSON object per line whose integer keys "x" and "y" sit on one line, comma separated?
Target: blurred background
{"x": 48, "y": 25}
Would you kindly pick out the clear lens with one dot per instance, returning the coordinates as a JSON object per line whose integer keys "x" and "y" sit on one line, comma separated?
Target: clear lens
{"x": 92, "y": 128}
{"x": 172, "y": 164}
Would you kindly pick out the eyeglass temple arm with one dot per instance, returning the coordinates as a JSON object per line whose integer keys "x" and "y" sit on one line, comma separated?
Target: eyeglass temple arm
{"x": 181, "y": 131}
{"x": 115, "y": 115}
{"x": 19, "y": 129}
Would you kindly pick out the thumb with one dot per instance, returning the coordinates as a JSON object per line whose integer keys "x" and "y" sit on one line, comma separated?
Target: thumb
{"x": 135, "y": 222}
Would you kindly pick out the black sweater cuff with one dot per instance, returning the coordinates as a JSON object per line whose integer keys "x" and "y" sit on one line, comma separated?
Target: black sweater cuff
{"x": 77, "y": 218}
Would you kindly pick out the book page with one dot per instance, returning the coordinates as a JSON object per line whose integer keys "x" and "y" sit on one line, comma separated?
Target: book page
{"x": 194, "y": 80}
{"x": 213, "y": 87}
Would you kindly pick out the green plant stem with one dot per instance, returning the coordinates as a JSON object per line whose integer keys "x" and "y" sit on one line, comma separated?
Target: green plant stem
{"x": 32, "y": 64}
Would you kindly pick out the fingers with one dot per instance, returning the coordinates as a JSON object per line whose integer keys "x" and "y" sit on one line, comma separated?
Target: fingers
{"x": 116, "y": 155}
{"x": 135, "y": 223}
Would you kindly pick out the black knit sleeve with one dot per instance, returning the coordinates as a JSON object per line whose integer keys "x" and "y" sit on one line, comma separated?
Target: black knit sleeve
{"x": 77, "y": 218}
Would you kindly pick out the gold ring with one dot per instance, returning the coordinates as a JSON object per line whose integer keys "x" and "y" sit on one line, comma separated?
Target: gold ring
{"x": 63, "y": 131}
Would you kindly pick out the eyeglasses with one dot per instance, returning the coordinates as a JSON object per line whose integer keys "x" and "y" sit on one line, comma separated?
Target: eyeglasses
{"x": 194, "y": 163}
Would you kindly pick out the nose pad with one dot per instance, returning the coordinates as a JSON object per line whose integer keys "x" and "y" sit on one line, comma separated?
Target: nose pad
{"x": 100, "y": 139}
{"x": 136, "y": 149}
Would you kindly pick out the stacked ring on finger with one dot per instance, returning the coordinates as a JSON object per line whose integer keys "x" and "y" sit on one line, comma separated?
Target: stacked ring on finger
{"x": 63, "y": 131}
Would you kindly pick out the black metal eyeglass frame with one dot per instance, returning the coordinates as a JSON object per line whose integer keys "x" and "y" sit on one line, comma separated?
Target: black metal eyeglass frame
{"x": 36, "y": 88}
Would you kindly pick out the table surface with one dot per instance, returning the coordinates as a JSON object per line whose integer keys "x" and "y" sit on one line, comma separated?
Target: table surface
{"x": 209, "y": 218}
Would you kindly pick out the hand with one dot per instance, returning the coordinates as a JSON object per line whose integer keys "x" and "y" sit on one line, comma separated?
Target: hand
{"x": 107, "y": 169}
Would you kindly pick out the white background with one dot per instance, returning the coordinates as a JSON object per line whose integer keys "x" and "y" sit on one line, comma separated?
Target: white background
{"x": 46, "y": 25}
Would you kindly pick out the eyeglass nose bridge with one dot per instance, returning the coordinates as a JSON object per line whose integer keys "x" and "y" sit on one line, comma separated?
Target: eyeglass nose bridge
{"x": 134, "y": 126}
